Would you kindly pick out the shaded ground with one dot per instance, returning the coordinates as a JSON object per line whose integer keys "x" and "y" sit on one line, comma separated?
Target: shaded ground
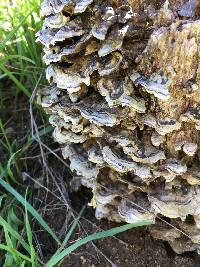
{"x": 132, "y": 248}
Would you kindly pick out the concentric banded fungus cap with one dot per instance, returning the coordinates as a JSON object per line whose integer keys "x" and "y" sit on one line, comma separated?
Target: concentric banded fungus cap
{"x": 124, "y": 100}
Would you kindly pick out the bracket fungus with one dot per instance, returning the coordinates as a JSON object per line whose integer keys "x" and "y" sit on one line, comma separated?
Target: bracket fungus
{"x": 124, "y": 99}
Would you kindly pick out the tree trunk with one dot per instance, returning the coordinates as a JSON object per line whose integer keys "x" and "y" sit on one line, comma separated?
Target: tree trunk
{"x": 124, "y": 100}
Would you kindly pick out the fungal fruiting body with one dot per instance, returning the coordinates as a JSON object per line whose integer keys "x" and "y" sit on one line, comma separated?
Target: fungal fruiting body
{"x": 124, "y": 99}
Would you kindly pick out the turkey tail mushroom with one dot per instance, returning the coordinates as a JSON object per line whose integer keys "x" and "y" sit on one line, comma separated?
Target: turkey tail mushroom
{"x": 124, "y": 99}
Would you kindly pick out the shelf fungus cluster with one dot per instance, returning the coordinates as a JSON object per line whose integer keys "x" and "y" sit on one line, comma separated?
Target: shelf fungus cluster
{"x": 124, "y": 99}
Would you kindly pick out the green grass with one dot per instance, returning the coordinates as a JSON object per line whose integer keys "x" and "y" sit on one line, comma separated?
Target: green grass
{"x": 20, "y": 56}
{"x": 20, "y": 71}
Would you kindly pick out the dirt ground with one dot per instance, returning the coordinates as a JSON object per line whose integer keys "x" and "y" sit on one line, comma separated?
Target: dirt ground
{"x": 134, "y": 248}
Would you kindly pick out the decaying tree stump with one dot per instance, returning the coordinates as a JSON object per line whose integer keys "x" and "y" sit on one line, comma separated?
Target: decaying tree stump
{"x": 125, "y": 103}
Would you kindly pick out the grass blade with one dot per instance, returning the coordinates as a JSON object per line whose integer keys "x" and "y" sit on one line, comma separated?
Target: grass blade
{"x": 8, "y": 145}
{"x": 14, "y": 233}
{"x": 10, "y": 257}
{"x": 30, "y": 208}
{"x": 17, "y": 82}
{"x": 14, "y": 252}
{"x": 9, "y": 164}
{"x": 6, "y": 58}
{"x": 12, "y": 33}
{"x": 71, "y": 230}
{"x": 29, "y": 235}
{"x": 116, "y": 230}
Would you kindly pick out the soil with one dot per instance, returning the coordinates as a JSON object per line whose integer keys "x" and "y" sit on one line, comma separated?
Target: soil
{"x": 134, "y": 247}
